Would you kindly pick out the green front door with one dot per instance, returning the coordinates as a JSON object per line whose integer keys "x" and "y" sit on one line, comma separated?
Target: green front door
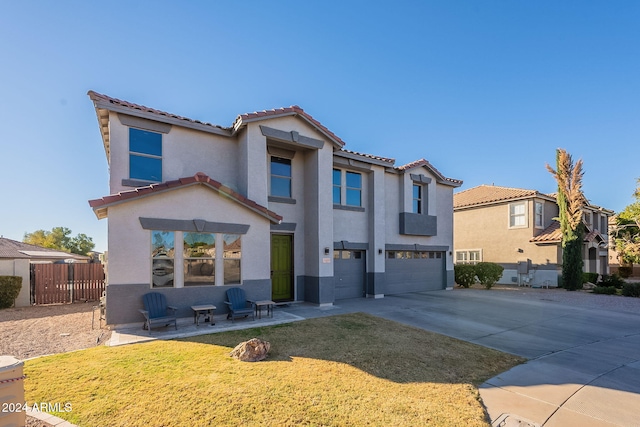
{"x": 281, "y": 267}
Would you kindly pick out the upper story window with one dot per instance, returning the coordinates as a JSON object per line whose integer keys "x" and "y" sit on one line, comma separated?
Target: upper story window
{"x": 518, "y": 214}
{"x": 337, "y": 186}
{"x": 280, "y": 177}
{"x": 417, "y": 199}
{"x": 145, "y": 155}
{"x": 354, "y": 189}
{"x": 539, "y": 214}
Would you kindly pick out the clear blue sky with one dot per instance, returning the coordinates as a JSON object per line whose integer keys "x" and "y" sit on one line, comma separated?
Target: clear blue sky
{"x": 484, "y": 90}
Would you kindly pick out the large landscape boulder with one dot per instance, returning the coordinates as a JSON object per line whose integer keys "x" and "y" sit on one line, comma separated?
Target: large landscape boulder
{"x": 253, "y": 350}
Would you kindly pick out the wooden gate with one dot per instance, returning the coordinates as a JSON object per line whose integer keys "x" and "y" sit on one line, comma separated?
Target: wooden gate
{"x": 66, "y": 283}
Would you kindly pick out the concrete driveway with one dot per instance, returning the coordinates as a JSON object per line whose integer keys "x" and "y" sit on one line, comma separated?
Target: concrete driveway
{"x": 583, "y": 349}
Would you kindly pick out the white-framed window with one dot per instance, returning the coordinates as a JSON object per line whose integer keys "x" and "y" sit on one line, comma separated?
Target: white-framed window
{"x": 196, "y": 254}
{"x": 280, "y": 177}
{"x": 199, "y": 258}
{"x": 347, "y": 188}
{"x": 232, "y": 255}
{"x": 469, "y": 256}
{"x": 539, "y": 214}
{"x": 354, "y": 188}
{"x": 162, "y": 259}
{"x": 418, "y": 198}
{"x": 518, "y": 215}
{"x": 337, "y": 186}
{"x": 145, "y": 155}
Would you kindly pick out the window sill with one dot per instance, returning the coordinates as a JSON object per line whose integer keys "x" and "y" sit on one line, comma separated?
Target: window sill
{"x": 137, "y": 183}
{"x": 348, "y": 208}
{"x": 276, "y": 199}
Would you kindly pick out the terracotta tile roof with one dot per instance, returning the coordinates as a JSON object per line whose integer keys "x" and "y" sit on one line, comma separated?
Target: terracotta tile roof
{"x": 95, "y": 96}
{"x": 370, "y": 156}
{"x": 286, "y": 111}
{"x": 422, "y": 162}
{"x": 552, "y": 234}
{"x": 487, "y": 194}
{"x": 100, "y": 205}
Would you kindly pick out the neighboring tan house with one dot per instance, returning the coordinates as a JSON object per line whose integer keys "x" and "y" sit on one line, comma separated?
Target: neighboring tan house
{"x": 17, "y": 257}
{"x": 272, "y": 203}
{"x": 518, "y": 229}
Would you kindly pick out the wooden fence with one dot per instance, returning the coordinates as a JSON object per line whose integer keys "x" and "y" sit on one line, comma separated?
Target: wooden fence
{"x": 66, "y": 283}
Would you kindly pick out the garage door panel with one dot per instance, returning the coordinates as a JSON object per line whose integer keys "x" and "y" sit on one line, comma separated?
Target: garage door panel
{"x": 349, "y": 274}
{"x": 414, "y": 272}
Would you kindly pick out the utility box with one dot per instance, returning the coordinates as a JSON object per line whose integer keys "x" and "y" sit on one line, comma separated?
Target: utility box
{"x": 12, "y": 392}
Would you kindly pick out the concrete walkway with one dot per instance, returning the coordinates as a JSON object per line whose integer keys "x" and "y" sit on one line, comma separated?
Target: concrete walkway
{"x": 584, "y": 358}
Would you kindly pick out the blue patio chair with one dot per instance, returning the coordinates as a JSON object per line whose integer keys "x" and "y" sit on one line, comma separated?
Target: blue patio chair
{"x": 238, "y": 304}
{"x": 156, "y": 311}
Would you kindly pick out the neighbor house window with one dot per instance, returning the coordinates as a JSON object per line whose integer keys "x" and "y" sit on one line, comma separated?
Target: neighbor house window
{"x": 539, "y": 211}
{"x": 417, "y": 199}
{"x": 337, "y": 186}
{"x": 232, "y": 256}
{"x": 517, "y": 215}
{"x": 199, "y": 259}
{"x": 354, "y": 189}
{"x": 280, "y": 177}
{"x": 145, "y": 155}
{"x": 162, "y": 258}
{"x": 468, "y": 256}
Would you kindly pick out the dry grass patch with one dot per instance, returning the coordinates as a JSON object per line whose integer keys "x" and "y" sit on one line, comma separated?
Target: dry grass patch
{"x": 353, "y": 369}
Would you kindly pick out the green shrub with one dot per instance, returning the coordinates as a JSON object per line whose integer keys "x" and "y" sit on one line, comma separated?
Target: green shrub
{"x": 631, "y": 290}
{"x": 625, "y": 271}
{"x": 9, "y": 290}
{"x": 613, "y": 280}
{"x": 604, "y": 290}
{"x": 465, "y": 274}
{"x": 590, "y": 278}
{"x": 488, "y": 273}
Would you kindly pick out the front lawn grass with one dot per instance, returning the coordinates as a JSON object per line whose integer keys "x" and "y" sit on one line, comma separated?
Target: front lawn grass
{"x": 347, "y": 370}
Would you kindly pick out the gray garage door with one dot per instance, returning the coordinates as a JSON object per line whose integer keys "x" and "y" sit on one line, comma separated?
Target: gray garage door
{"x": 414, "y": 271}
{"x": 349, "y": 274}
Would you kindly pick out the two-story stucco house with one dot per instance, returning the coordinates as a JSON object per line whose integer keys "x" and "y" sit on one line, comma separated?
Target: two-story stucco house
{"x": 518, "y": 229}
{"x": 272, "y": 203}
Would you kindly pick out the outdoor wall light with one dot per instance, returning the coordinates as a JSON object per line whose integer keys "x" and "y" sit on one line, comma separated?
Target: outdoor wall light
{"x": 379, "y": 251}
{"x": 326, "y": 251}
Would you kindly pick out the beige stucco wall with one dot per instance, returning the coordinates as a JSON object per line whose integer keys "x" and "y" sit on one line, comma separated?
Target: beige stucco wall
{"x": 487, "y": 228}
{"x": 18, "y": 267}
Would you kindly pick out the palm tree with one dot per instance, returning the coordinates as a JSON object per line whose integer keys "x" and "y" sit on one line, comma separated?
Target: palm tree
{"x": 571, "y": 201}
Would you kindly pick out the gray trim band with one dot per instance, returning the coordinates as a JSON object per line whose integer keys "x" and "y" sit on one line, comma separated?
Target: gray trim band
{"x": 351, "y": 164}
{"x": 284, "y": 226}
{"x": 415, "y": 247}
{"x": 420, "y": 178}
{"x": 350, "y": 246}
{"x": 198, "y": 225}
{"x": 348, "y": 208}
{"x": 291, "y": 137}
{"x": 287, "y": 200}
{"x": 138, "y": 122}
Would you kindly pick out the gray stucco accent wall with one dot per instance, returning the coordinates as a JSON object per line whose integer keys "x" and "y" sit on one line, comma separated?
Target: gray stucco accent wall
{"x": 318, "y": 290}
{"x": 418, "y": 224}
{"x": 128, "y": 299}
{"x": 375, "y": 284}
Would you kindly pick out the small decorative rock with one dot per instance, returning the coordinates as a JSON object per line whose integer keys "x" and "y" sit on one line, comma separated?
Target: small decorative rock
{"x": 253, "y": 350}
{"x": 588, "y": 286}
